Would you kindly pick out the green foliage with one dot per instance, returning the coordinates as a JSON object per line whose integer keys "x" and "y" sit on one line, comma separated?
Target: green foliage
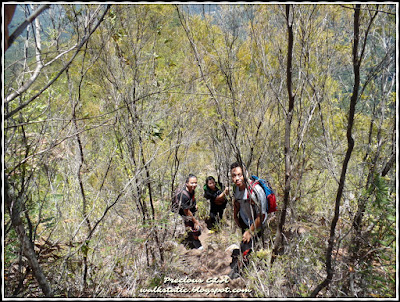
{"x": 156, "y": 281}
{"x": 203, "y": 208}
{"x": 11, "y": 247}
{"x": 148, "y": 107}
{"x": 378, "y": 266}
{"x": 382, "y": 213}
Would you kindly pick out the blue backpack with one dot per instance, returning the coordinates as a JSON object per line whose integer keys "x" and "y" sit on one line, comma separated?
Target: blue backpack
{"x": 271, "y": 204}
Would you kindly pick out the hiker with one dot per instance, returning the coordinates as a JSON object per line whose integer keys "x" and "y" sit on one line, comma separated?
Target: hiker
{"x": 187, "y": 210}
{"x": 249, "y": 212}
{"x": 216, "y": 194}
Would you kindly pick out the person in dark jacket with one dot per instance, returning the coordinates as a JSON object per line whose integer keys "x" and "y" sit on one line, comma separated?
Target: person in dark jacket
{"x": 187, "y": 211}
{"x": 216, "y": 194}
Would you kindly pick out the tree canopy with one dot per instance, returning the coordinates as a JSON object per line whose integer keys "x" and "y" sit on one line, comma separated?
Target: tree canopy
{"x": 108, "y": 107}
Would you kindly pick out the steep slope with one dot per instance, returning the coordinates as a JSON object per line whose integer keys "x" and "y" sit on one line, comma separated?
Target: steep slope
{"x": 202, "y": 273}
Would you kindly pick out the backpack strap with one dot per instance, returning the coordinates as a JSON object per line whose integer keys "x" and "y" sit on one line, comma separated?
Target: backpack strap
{"x": 253, "y": 182}
{"x": 186, "y": 193}
{"x": 188, "y": 196}
{"x": 251, "y": 188}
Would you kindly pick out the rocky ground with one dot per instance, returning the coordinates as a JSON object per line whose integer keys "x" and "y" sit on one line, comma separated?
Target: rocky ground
{"x": 202, "y": 273}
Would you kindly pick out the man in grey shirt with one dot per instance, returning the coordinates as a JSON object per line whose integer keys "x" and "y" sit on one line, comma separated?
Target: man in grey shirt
{"x": 249, "y": 212}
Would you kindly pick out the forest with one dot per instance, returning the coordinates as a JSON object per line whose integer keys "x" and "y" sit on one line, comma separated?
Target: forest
{"x": 107, "y": 108}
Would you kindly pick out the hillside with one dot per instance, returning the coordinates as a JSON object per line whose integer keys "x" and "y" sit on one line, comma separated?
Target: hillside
{"x": 109, "y": 107}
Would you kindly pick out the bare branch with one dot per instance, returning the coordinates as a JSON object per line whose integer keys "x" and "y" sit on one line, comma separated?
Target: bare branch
{"x": 27, "y": 21}
{"x": 15, "y": 94}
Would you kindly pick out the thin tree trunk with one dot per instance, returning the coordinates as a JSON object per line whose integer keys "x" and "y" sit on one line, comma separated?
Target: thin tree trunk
{"x": 14, "y": 95}
{"x": 350, "y": 144}
{"x": 13, "y": 206}
{"x": 278, "y": 244}
{"x": 154, "y": 229}
{"x": 232, "y": 139}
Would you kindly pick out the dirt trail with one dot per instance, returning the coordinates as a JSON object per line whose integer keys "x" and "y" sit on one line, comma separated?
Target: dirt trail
{"x": 204, "y": 273}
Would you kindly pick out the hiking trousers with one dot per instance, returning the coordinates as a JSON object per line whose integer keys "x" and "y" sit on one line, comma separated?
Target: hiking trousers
{"x": 193, "y": 235}
{"x": 246, "y": 247}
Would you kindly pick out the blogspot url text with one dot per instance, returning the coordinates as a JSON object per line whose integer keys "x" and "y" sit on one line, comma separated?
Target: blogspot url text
{"x": 194, "y": 290}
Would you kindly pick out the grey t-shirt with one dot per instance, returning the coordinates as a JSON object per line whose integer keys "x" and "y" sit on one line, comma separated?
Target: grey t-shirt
{"x": 247, "y": 212}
